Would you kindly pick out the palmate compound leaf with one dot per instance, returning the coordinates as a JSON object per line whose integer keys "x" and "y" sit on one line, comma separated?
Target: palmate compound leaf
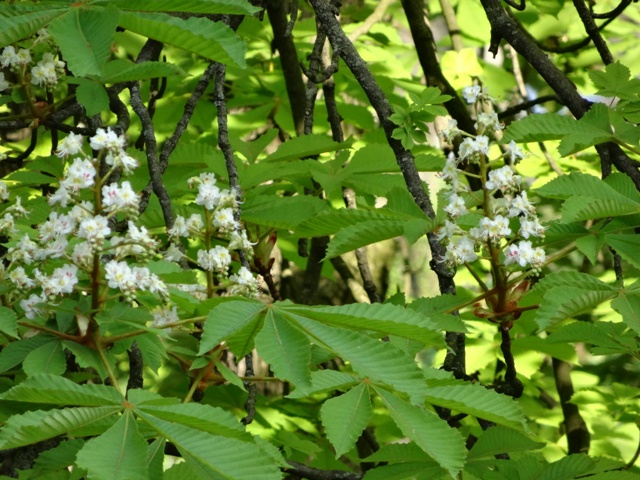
{"x": 627, "y": 246}
{"x": 117, "y": 453}
{"x": 369, "y": 357}
{"x": 565, "y": 302}
{"x": 477, "y": 401}
{"x": 443, "y": 443}
{"x": 584, "y": 185}
{"x": 325, "y": 381}
{"x": 285, "y": 348}
{"x": 32, "y": 427}
{"x": 214, "y": 456}
{"x": 541, "y": 127}
{"x": 212, "y": 40}
{"x": 346, "y": 416}
{"x": 55, "y": 390}
{"x": 385, "y": 319}
{"x": 628, "y": 305}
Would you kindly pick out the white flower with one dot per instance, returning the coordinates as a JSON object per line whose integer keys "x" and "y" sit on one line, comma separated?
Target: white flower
{"x": 4, "y": 191}
{"x": 30, "y": 305}
{"x": 81, "y": 211}
{"x": 62, "y": 196}
{"x": 55, "y": 249}
{"x": 61, "y": 281}
{"x": 228, "y": 198}
{"x": 515, "y": 153}
{"x": 9, "y": 57}
{"x": 470, "y": 148}
{"x": 531, "y": 227}
{"x": 120, "y": 159}
{"x": 244, "y": 283}
{"x": 71, "y": 145}
{"x": 223, "y": 219}
{"x": 80, "y": 174}
{"x": 56, "y": 226}
{"x": 472, "y": 93}
{"x": 3, "y": 83}
{"x": 208, "y": 195}
{"x": 521, "y": 204}
{"x": 173, "y": 253}
{"x": 216, "y": 259}
{"x": 179, "y": 228}
{"x": 94, "y": 229}
{"x": 121, "y": 197}
{"x": 82, "y": 254}
{"x": 450, "y": 172}
{"x": 195, "y": 224}
{"x": 503, "y": 179}
{"x": 23, "y": 56}
{"x": 24, "y": 252}
{"x": 239, "y": 241}
{"x": 461, "y": 251}
{"x": 452, "y": 130}
{"x": 164, "y": 316}
{"x": 488, "y": 122}
{"x": 20, "y": 278}
{"x": 118, "y": 275}
{"x": 7, "y": 223}
{"x": 456, "y": 206}
{"x": 495, "y": 229}
{"x": 141, "y": 236}
{"x": 107, "y": 139}
{"x": 524, "y": 254}
{"x": 447, "y": 230}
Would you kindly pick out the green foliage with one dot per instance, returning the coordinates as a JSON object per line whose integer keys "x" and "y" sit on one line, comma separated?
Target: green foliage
{"x": 208, "y": 379}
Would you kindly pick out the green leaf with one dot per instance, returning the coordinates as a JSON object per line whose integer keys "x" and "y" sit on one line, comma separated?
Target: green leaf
{"x": 627, "y": 246}
{"x": 268, "y": 210}
{"x": 380, "y": 361}
{"x": 498, "y": 439}
{"x": 121, "y": 70}
{"x": 39, "y": 425}
{"x": 568, "y": 468}
{"x": 615, "y": 82}
{"x": 345, "y": 417}
{"x": 84, "y": 36}
{"x": 565, "y": 302}
{"x": 590, "y": 245}
{"x": 230, "y": 7}
{"x": 59, "y": 457}
{"x": 213, "y": 456}
{"x": 540, "y": 127}
{"x": 594, "y": 128}
{"x": 229, "y": 318}
{"x": 20, "y": 21}
{"x": 306, "y": 146}
{"x": 325, "y": 380}
{"x": 285, "y": 348}
{"x": 47, "y": 358}
{"x": 92, "y": 96}
{"x": 629, "y": 307}
{"x": 117, "y": 453}
{"x": 15, "y": 352}
{"x": 476, "y": 400}
{"x": 443, "y": 443}
{"x": 155, "y": 458}
{"x": 8, "y": 322}
{"x": 386, "y": 319}
{"x": 409, "y": 470}
{"x": 332, "y": 221}
{"x": 212, "y": 40}
{"x": 363, "y": 234}
{"x": 205, "y": 418}
{"x": 583, "y": 185}
{"x": 54, "y": 390}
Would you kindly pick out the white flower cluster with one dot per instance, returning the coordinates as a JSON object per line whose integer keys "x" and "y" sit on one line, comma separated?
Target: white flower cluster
{"x": 221, "y": 212}
{"x": 509, "y": 223}
{"x": 45, "y": 73}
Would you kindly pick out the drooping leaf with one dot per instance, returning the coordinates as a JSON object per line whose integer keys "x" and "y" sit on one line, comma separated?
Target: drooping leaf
{"x": 443, "y": 443}
{"x": 117, "y": 453}
{"x": 84, "y": 36}
{"x": 385, "y": 319}
{"x": 345, "y": 417}
{"x": 55, "y": 390}
{"x": 121, "y": 70}
{"x": 21, "y": 21}
{"x": 306, "y": 146}
{"x": 230, "y": 7}
{"x": 206, "y": 418}
{"x": 629, "y": 307}
{"x": 478, "y": 401}
{"x": 8, "y": 322}
{"x": 380, "y": 361}
{"x": 285, "y": 348}
{"x": 92, "y": 96}
{"x": 565, "y": 302}
{"x": 595, "y": 128}
{"x": 213, "y": 456}
{"x": 583, "y": 185}
{"x": 268, "y": 211}
{"x": 332, "y": 221}
{"x": 47, "y": 358}
{"x": 33, "y": 427}
{"x": 540, "y": 127}
{"x": 403, "y": 471}
{"x": 568, "y": 468}
{"x": 365, "y": 233}
{"x": 498, "y": 439}
{"x": 227, "y": 319}
{"x": 59, "y": 457}
{"x": 212, "y": 40}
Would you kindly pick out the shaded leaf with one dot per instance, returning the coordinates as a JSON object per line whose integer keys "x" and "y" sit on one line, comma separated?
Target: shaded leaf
{"x": 116, "y": 454}
{"x": 345, "y": 417}
{"x": 227, "y": 319}
{"x": 231, "y": 7}
{"x": 47, "y": 358}
{"x": 498, "y": 439}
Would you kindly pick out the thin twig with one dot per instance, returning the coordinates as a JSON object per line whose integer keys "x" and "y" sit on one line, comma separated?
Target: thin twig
{"x": 375, "y": 17}
{"x": 593, "y": 31}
